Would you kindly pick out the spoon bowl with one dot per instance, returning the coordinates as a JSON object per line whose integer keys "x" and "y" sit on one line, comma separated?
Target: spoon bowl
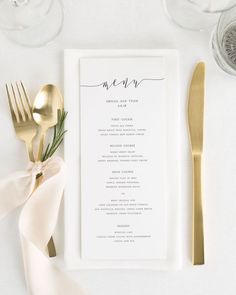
{"x": 45, "y": 111}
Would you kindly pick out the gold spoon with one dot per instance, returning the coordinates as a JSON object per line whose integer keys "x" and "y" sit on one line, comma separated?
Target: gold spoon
{"x": 45, "y": 113}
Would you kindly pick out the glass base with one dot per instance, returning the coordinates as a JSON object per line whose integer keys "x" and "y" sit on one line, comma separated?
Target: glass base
{"x": 220, "y": 59}
{"x": 42, "y": 33}
{"x": 187, "y": 16}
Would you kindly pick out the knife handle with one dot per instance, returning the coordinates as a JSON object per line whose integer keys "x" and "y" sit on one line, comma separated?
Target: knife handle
{"x": 198, "y": 234}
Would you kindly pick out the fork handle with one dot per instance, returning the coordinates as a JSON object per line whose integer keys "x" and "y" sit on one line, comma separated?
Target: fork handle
{"x": 198, "y": 234}
{"x": 29, "y": 146}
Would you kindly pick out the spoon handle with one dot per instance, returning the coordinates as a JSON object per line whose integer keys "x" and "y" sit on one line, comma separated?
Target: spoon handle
{"x": 41, "y": 145}
{"x": 51, "y": 246}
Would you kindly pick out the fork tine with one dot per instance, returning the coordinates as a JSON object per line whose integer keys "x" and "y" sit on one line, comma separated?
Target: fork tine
{"x": 27, "y": 100}
{"x": 17, "y": 104}
{"x": 22, "y": 101}
{"x": 13, "y": 114}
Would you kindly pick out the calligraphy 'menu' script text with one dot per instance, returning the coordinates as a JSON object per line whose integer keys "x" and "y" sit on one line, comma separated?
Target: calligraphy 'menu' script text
{"x": 125, "y": 83}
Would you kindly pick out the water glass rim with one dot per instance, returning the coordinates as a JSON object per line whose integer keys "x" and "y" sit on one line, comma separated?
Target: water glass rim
{"x": 206, "y": 10}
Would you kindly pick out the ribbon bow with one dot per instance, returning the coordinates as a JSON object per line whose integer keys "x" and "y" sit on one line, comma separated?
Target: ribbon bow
{"x": 37, "y": 223}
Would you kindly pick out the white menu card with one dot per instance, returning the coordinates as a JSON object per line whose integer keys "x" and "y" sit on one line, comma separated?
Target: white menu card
{"x": 123, "y": 158}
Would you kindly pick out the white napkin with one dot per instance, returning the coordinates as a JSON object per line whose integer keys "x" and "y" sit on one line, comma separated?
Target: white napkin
{"x": 37, "y": 223}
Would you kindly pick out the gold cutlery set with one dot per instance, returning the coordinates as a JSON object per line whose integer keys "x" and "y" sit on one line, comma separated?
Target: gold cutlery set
{"x": 28, "y": 121}
{"x": 47, "y": 111}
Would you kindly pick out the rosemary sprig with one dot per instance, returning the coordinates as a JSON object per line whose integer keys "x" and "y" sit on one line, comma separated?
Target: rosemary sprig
{"x": 58, "y": 136}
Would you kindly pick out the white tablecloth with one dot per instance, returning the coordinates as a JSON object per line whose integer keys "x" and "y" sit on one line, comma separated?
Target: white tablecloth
{"x": 135, "y": 24}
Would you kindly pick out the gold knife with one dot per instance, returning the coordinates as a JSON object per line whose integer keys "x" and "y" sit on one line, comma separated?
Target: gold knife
{"x": 195, "y": 120}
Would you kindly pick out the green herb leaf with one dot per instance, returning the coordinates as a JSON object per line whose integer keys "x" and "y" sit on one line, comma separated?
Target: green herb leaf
{"x": 58, "y": 136}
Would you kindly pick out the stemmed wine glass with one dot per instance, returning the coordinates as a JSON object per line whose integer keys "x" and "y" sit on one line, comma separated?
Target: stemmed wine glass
{"x": 196, "y": 14}
{"x": 31, "y": 22}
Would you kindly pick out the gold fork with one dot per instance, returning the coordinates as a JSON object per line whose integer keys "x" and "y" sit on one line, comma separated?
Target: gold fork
{"x": 21, "y": 112}
{"x": 25, "y": 128}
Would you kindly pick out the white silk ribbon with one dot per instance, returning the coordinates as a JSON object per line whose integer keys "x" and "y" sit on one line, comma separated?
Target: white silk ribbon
{"x": 37, "y": 223}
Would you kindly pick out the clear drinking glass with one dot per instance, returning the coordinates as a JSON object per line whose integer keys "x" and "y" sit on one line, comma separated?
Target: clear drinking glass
{"x": 31, "y": 22}
{"x": 224, "y": 41}
{"x": 196, "y": 14}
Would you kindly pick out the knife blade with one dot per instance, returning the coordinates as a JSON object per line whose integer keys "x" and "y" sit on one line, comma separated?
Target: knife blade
{"x": 196, "y": 126}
